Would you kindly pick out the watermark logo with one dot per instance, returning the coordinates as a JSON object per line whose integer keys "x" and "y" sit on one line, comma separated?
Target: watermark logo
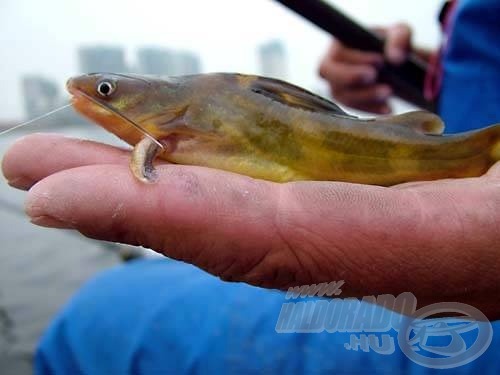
{"x": 416, "y": 333}
{"x": 323, "y": 289}
{"x": 425, "y": 339}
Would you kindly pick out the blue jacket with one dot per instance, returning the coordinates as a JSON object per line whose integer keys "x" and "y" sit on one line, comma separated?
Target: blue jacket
{"x": 470, "y": 95}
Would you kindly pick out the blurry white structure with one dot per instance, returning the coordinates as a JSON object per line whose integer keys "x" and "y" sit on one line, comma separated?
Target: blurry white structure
{"x": 273, "y": 60}
{"x": 102, "y": 59}
{"x": 188, "y": 63}
{"x": 163, "y": 61}
{"x": 40, "y": 95}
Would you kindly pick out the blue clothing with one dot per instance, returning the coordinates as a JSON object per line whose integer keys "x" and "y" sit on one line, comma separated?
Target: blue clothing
{"x": 470, "y": 94}
{"x": 159, "y": 316}
{"x": 156, "y": 316}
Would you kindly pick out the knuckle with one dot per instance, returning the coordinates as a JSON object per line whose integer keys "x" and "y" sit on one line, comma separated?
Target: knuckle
{"x": 356, "y": 75}
{"x": 401, "y": 32}
{"x": 402, "y": 27}
{"x": 364, "y": 74}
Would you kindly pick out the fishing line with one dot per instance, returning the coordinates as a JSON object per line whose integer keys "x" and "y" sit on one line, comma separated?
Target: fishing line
{"x": 35, "y": 119}
{"x": 123, "y": 117}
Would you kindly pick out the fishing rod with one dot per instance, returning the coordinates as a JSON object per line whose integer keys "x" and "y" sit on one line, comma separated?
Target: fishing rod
{"x": 406, "y": 79}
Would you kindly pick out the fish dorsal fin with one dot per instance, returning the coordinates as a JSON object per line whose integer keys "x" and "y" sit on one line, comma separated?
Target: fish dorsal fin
{"x": 420, "y": 121}
{"x": 295, "y": 96}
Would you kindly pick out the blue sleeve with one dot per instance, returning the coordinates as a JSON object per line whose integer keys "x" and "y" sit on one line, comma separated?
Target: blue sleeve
{"x": 470, "y": 95}
{"x": 156, "y": 316}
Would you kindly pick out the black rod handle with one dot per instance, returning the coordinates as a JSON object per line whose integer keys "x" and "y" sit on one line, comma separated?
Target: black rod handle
{"x": 406, "y": 79}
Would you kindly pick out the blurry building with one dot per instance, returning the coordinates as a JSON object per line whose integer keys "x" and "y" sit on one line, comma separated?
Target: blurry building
{"x": 40, "y": 95}
{"x": 163, "y": 61}
{"x": 273, "y": 59}
{"x": 102, "y": 59}
{"x": 188, "y": 63}
{"x": 152, "y": 60}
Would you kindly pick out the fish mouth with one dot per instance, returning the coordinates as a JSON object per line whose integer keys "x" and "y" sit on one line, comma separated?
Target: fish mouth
{"x": 78, "y": 99}
{"x": 83, "y": 102}
{"x": 88, "y": 107}
{"x": 71, "y": 87}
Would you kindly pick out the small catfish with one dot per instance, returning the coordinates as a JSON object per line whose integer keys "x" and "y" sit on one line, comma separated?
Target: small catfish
{"x": 269, "y": 129}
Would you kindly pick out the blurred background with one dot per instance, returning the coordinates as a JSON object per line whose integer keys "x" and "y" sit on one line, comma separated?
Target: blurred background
{"x": 42, "y": 43}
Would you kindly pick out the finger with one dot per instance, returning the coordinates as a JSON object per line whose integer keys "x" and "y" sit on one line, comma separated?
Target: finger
{"x": 36, "y": 156}
{"x": 374, "y": 96}
{"x": 230, "y": 225}
{"x": 398, "y": 43}
{"x": 380, "y": 31}
{"x": 342, "y": 75}
{"x": 219, "y": 221}
{"x": 494, "y": 171}
{"x": 339, "y": 53}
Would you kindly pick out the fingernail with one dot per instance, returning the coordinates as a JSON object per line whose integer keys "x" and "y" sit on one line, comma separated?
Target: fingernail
{"x": 395, "y": 55}
{"x": 369, "y": 76}
{"x": 20, "y": 183}
{"x": 50, "y": 222}
{"x": 383, "y": 93}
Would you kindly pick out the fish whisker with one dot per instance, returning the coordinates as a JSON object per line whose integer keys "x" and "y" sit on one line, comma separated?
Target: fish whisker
{"x": 123, "y": 117}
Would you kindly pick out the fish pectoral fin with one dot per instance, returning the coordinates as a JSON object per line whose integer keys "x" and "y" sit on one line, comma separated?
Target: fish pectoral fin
{"x": 165, "y": 120}
{"x": 141, "y": 162}
{"x": 182, "y": 125}
{"x": 420, "y": 121}
{"x": 295, "y": 96}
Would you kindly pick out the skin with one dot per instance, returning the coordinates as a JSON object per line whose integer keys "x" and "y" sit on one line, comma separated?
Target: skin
{"x": 438, "y": 240}
{"x": 352, "y": 74}
{"x": 268, "y": 129}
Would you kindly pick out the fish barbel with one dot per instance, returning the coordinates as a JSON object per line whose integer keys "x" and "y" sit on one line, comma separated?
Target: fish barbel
{"x": 269, "y": 129}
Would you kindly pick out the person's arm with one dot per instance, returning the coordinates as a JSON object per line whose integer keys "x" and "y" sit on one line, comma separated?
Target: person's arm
{"x": 352, "y": 74}
{"x": 438, "y": 240}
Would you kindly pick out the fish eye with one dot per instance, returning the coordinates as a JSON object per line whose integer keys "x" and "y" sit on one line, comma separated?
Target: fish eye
{"x": 105, "y": 88}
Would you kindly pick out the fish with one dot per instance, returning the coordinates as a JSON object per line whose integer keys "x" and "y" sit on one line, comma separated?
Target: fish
{"x": 270, "y": 129}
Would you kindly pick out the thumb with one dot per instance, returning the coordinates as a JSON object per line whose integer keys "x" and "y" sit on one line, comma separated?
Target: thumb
{"x": 398, "y": 43}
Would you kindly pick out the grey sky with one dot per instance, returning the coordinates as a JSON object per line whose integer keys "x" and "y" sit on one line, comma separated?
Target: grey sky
{"x": 42, "y": 36}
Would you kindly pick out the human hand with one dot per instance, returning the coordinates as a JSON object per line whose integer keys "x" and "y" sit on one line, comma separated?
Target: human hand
{"x": 352, "y": 74}
{"x": 438, "y": 240}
